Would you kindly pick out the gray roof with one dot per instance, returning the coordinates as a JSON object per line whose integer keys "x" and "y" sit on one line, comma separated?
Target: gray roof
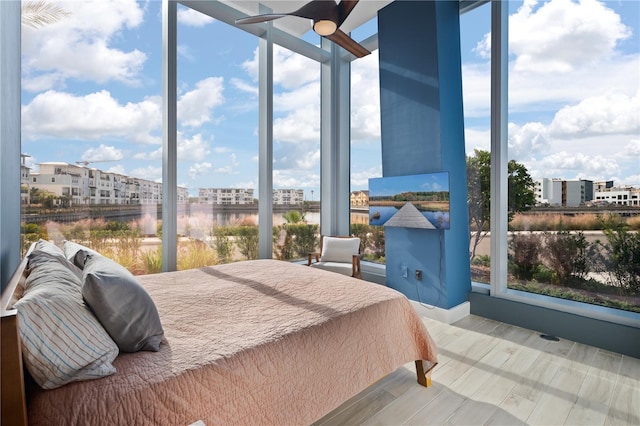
{"x": 409, "y": 217}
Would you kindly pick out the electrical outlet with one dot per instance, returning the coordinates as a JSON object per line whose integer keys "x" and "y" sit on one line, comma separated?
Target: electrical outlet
{"x": 418, "y": 275}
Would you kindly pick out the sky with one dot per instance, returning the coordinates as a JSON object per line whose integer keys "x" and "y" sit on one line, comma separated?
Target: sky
{"x": 91, "y": 91}
{"x": 393, "y": 185}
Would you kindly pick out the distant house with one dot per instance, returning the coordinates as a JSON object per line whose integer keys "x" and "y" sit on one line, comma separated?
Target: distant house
{"x": 360, "y": 199}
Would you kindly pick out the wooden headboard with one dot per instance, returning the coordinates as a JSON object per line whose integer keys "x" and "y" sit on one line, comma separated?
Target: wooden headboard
{"x": 12, "y": 391}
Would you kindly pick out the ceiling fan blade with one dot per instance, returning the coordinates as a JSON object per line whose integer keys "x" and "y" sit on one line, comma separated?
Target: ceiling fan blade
{"x": 261, "y": 18}
{"x": 344, "y": 9}
{"x": 315, "y": 9}
{"x": 349, "y": 44}
{"x": 319, "y": 10}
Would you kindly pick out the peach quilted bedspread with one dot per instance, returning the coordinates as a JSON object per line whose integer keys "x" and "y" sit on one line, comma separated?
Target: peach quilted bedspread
{"x": 254, "y": 342}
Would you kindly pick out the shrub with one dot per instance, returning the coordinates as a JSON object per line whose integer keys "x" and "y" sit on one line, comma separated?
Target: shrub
{"x": 611, "y": 221}
{"x": 378, "y": 243}
{"x": 482, "y": 260}
{"x": 152, "y": 261}
{"x": 524, "y": 254}
{"x": 194, "y": 254}
{"x": 624, "y": 252}
{"x": 362, "y": 231}
{"x": 222, "y": 244}
{"x": 566, "y": 255}
{"x": 283, "y": 249}
{"x": 543, "y": 274}
{"x": 115, "y": 226}
{"x": 126, "y": 250}
{"x": 634, "y": 223}
{"x": 247, "y": 241}
{"x": 304, "y": 238}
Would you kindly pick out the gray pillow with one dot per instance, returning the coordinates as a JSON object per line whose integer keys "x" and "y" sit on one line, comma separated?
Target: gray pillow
{"x": 121, "y": 304}
{"x": 76, "y": 253}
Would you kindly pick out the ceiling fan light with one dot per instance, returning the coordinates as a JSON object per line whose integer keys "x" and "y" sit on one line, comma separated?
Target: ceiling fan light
{"x": 325, "y": 27}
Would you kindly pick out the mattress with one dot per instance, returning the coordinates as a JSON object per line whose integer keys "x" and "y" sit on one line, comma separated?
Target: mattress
{"x": 253, "y": 342}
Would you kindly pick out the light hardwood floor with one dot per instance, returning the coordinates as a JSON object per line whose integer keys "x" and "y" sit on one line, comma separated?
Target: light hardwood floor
{"x": 498, "y": 374}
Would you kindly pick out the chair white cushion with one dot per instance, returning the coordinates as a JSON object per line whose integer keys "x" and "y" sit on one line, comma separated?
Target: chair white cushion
{"x": 339, "y": 267}
{"x": 336, "y": 249}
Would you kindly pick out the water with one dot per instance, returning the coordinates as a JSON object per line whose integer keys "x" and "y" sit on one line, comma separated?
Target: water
{"x": 438, "y": 219}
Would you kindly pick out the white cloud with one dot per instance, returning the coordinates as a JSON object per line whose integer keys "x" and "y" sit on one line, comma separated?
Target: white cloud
{"x": 597, "y": 115}
{"x": 148, "y": 173}
{"x": 79, "y": 46}
{"x": 632, "y": 149}
{"x": 477, "y": 139}
{"x": 293, "y": 179}
{"x": 101, "y": 154}
{"x": 298, "y": 126}
{"x": 119, "y": 169}
{"x": 527, "y": 140}
{"x": 193, "y": 18}
{"x": 195, "y": 107}
{"x": 193, "y": 149}
{"x": 188, "y": 149}
{"x": 230, "y": 166}
{"x": 561, "y": 35}
{"x": 91, "y": 117}
{"x": 244, "y": 86}
{"x": 361, "y": 179}
{"x": 290, "y": 70}
{"x": 577, "y": 165}
{"x": 199, "y": 169}
{"x": 365, "y": 98}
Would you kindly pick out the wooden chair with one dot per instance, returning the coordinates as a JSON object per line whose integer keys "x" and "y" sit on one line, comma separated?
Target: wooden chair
{"x": 339, "y": 254}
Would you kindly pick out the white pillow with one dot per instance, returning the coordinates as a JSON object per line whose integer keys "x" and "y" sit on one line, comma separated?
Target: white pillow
{"x": 336, "y": 249}
{"x": 62, "y": 341}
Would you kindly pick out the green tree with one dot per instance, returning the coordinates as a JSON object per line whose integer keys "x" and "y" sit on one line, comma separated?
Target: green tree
{"x": 521, "y": 195}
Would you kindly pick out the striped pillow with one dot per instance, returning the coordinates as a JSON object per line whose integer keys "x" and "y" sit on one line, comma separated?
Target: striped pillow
{"x": 62, "y": 341}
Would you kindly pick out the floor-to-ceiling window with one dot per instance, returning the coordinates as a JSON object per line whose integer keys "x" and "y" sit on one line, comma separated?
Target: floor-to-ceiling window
{"x": 296, "y": 154}
{"x": 217, "y": 142}
{"x": 574, "y": 71}
{"x": 91, "y": 127}
{"x": 476, "y": 83}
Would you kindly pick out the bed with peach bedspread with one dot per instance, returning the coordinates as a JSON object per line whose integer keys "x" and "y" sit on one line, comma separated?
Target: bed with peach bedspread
{"x": 254, "y": 342}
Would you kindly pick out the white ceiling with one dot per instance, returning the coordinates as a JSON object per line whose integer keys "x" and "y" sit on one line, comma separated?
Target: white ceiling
{"x": 364, "y": 11}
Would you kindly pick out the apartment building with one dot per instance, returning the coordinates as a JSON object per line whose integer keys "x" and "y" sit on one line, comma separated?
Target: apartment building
{"x": 76, "y": 185}
{"x": 226, "y": 196}
{"x": 283, "y": 197}
{"x": 606, "y": 193}
{"x": 563, "y": 192}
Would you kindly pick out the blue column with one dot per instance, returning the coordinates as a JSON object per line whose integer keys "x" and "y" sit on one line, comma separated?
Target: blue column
{"x": 422, "y": 129}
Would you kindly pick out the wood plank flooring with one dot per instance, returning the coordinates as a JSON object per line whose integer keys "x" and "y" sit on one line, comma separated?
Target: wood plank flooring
{"x": 491, "y": 373}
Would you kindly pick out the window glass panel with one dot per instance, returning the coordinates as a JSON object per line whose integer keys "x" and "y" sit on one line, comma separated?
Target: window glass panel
{"x": 91, "y": 130}
{"x": 476, "y": 85}
{"x": 296, "y": 154}
{"x": 366, "y": 147}
{"x": 219, "y": 162}
{"x": 573, "y": 151}
{"x": 217, "y": 143}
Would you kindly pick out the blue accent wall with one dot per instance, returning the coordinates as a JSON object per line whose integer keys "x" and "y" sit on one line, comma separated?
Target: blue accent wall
{"x": 422, "y": 128}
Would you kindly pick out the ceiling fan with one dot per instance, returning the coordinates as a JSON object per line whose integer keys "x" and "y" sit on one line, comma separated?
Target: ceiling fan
{"x": 327, "y": 16}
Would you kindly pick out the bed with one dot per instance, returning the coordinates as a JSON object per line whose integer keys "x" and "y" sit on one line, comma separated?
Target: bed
{"x": 253, "y": 342}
